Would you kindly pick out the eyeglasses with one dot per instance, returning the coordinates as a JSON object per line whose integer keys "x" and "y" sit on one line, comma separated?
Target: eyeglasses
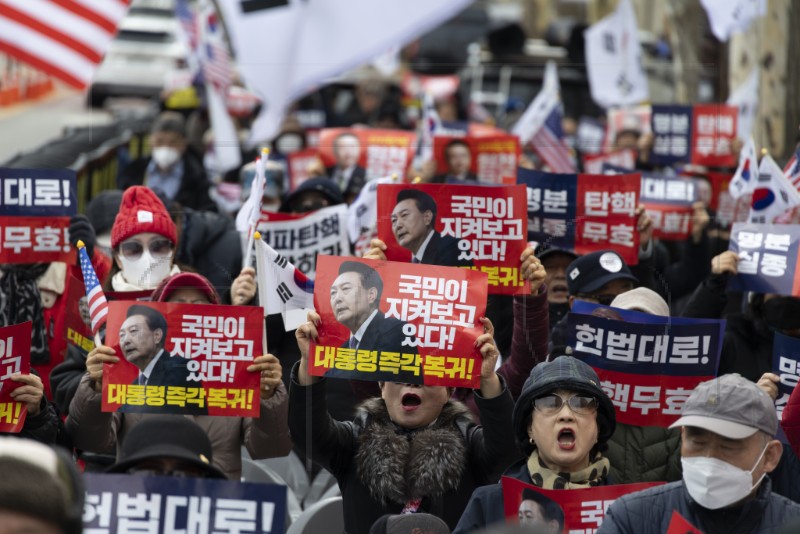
{"x": 605, "y": 300}
{"x": 552, "y": 404}
{"x": 159, "y": 248}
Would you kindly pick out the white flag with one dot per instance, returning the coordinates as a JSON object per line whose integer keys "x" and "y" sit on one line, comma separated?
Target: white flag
{"x": 744, "y": 181}
{"x": 613, "y": 59}
{"x": 773, "y": 193}
{"x": 362, "y": 214}
{"x": 282, "y": 288}
{"x": 284, "y": 49}
{"x": 728, "y": 16}
{"x": 250, "y": 211}
{"x": 745, "y": 99}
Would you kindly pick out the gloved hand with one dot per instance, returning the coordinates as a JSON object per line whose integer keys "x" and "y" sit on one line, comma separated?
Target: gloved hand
{"x": 81, "y": 229}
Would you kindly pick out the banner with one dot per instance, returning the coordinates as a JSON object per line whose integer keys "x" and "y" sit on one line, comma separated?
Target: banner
{"x": 767, "y": 258}
{"x": 482, "y": 228}
{"x": 714, "y": 130}
{"x": 186, "y": 359}
{"x": 672, "y": 134}
{"x": 613, "y": 59}
{"x": 620, "y": 158}
{"x": 300, "y": 238}
{"x": 577, "y": 510}
{"x": 118, "y": 504}
{"x": 493, "y": 158}
{"x": 785, "y": 364}
{"x": 582, "y": 212}
{"x": 35, "y": 208}
{"x": 397, "y": 322}
{"x": 648, "y": 370}
{"x": 380, "y": 152}
{"x": 15, "y": 357}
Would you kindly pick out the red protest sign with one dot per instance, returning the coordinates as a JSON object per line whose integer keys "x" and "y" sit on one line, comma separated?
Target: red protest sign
{"x": 671, "y": 222}
{"x": 581, "y": 509}
{"x": 396, "y": 322}
{"x": 15, "y": 357}
{"x": 679, "y": 525}
{"x": 300, "y": 164}
{"x": 713, "y": 132}
{"x": 493, "y": 159}
{"x": 183, "y": 358}
{"x": 381, "y": 152}
{"x": 35, "y": 240}
{"x": 78, "y": 330}
{"x": 474, "y": 226}
{"x": 606, "y": 215}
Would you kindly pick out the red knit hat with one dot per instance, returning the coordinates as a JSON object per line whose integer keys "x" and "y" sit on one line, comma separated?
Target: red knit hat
{"x": 141, "y": 211}
{"x": 169, "y": 285}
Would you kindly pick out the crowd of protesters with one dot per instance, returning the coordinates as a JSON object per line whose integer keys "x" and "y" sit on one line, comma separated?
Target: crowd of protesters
{"x": 539, "y": 416}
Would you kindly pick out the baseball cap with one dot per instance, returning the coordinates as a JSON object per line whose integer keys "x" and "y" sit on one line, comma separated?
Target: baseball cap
{"x": 642, "y": 299}
{"x": 730, "y": 406}
{"x": 592, "y": 271}
{"x": 544, "y": 250}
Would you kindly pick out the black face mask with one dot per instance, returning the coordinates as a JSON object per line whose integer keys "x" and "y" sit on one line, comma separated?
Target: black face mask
{"x": 782, "y": 313}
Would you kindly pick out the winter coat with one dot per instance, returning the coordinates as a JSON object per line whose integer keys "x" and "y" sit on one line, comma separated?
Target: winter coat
{"x": 380, "y": 466}
{"x": 485, "y": 507}
{"x": 66, "y": 377}
{"x": 644, "y": 454}
{"x": 650, "y": 511}
{"x": 747, "y": 344}
{"x": 193, "y": 191}
{"x": 790, "y": 421}
{"x": 265, "y": 437}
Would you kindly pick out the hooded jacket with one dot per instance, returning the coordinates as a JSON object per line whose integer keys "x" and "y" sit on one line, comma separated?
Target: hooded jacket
{"x": 380, "y": 466}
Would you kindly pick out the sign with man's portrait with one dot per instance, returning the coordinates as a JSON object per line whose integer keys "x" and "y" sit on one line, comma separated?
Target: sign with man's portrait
{"x": 15, "y": 357}
{"x": 187, "y": 359}
{"x": 472, "y": 226}
{"x": 394, "y": 322}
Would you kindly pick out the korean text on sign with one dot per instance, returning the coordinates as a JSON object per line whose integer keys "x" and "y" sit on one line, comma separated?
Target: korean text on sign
{"x": 767, "y": 258}
{"x": 15, "y": 358}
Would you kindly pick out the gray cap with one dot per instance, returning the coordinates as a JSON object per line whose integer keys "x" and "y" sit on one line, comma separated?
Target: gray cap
{"x": 730, "y": 406}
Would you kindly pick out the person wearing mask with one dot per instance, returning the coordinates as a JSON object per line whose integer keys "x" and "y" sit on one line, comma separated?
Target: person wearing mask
{"x": 562, "y": 420}
{"x": 172, "y": 167}
{"x": 413, "y": 449}
{"x": 266, "y": 436}
{"x": 728, "y": 449}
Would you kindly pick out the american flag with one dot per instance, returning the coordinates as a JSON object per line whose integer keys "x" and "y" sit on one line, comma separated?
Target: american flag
{"x": 214, "y": 53}
{"x": 188, "y": 21}
{"x": 98, "y": 305}
{"x": 540, "y": 125}
{"x": 66, "y": 39}
{"x": 792, "y": 170}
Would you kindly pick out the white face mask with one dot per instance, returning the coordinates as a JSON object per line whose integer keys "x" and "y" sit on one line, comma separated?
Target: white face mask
{"x": 716, "y": 484}
{"x": 146, "y": 272}
{"x": 165, "y": 156}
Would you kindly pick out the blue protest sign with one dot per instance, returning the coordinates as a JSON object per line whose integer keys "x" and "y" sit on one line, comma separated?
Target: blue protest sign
{"x": 38, "y": 192}
{"x": 672, "y": 134}
{"x": 767, "y": 258}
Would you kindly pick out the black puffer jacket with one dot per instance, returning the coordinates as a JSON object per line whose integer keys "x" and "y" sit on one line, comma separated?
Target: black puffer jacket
{"x": 650, "y": 511}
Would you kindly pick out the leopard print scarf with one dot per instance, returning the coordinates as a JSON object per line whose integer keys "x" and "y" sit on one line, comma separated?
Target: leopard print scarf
{"x": 543, "y": 477}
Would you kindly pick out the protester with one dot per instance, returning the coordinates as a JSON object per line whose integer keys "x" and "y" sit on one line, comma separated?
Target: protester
{"x": 555, "y": 261}
{"x": 728, "y": 449}
{"x": 41, "y": 491}
{"x": 562, "y": 421}
{"x": 312, "y": 195}
{"x": 167, "y": 446}
{"x": 264, "y": 437}
{"x": 173, "y": 168}
{"x": 749, "y": 335}
{"x": 413, "y": 449}
{"x": 643, "y": 453}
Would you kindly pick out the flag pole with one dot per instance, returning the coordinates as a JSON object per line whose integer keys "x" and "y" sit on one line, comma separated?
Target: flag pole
{"x": 260, "y": 175}
{"x": 261, "y": 270}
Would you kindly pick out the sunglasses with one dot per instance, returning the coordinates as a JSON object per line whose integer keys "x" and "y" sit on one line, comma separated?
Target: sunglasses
{"x": 159, "y": 248}
{"x": 552, "y": 404}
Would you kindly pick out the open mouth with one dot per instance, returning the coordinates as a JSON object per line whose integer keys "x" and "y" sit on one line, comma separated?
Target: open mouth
{"x": 410, "y": 401}
{"x": 558, "y": 288}
{"x": 566, "y": 439}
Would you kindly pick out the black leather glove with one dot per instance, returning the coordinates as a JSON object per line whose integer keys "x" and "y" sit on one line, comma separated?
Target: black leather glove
{"x": 81, "y": 229}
